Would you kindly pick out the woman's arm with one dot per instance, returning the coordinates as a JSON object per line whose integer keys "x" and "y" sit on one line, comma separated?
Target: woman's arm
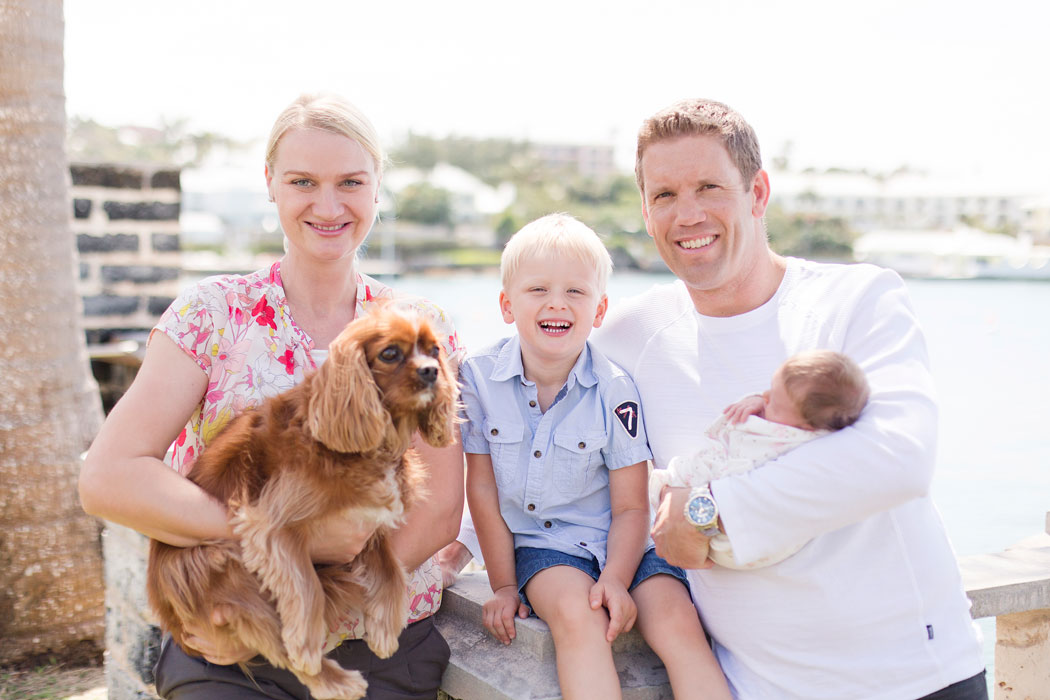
{"x": 434, "y": 521}
{"x": 124, "y": 479}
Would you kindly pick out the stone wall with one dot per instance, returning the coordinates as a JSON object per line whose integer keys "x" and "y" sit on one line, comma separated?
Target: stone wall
{"x": 126, "y": 222}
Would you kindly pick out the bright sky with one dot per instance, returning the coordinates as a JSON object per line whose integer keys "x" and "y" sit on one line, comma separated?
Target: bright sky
{"x": 952, "y": 86}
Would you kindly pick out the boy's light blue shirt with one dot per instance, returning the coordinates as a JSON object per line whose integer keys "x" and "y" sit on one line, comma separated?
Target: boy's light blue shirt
{"x": 552, "y": 469}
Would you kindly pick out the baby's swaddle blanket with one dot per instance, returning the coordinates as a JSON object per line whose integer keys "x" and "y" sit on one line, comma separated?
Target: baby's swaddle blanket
{"x": 730, "y": 449}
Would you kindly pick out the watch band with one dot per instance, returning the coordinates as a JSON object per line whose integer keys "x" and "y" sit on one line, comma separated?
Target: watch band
{"x": 701, "y": 511}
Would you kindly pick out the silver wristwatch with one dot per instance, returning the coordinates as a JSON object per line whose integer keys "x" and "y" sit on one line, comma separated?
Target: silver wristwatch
{"x": 702, "y": 512}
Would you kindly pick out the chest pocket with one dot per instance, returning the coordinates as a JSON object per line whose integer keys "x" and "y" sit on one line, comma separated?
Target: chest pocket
{"x": 504, "y": 446}
{"x": 576, "y": 457}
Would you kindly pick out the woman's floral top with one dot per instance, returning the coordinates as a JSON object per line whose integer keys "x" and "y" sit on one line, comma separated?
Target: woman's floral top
{"x": 239, "y": 330}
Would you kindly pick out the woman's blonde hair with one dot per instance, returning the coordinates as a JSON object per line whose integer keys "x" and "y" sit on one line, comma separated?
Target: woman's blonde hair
{"x": 327, "y": 112}
{"x": 561, "y": 234}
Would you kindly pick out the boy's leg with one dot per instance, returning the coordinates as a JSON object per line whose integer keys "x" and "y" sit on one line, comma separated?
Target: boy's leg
{"x": 560, "y": 596}
{"x": 669, "y": 624}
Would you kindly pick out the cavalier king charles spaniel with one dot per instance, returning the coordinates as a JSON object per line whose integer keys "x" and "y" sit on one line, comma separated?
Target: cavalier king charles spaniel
{"x": 336, "y": 444}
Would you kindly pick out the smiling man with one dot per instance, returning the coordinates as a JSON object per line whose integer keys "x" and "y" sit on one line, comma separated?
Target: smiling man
{"x": 872, "y": 605}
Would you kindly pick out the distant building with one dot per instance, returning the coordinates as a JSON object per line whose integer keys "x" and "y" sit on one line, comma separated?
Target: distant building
{"x": 909, "y": 200}
{"x": 595, "y": 161}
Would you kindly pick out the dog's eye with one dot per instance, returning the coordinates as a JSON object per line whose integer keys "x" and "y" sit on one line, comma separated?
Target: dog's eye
{"x": 435, "y": 352}
{"x": 390, "y": 354}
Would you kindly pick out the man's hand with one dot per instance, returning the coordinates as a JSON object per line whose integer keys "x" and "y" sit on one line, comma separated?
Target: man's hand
{"x": 747, "y": 406}
{"x": 498, "y": 613}
{"x": 340, "y": 540}
{"x": 676, "y": 539}
{"x": 217, "y": 648}
{"x": 452, "y": 558}
{"x": 610, "y": 593}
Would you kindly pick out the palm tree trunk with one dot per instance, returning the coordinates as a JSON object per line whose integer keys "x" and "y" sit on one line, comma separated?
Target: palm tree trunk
{"x": 51, "y": 597}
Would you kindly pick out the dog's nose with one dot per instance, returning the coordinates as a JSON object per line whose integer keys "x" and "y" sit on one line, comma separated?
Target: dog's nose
{"x": 428, "y": 374}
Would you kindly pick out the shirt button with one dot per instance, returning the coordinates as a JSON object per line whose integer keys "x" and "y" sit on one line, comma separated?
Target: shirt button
{"x": 547, "y": 523}
{"x": 582, "y": 445}
{"x": 537, "y": 454}
{"x": 532, "y": 506}
{"x": 494, "y": 431}
{"x": 532, "y": 404}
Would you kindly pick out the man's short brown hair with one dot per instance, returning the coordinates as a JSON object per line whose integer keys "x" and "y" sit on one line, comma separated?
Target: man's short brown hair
{"x": 828, "y": 388}
{"x": 699, "y": 117}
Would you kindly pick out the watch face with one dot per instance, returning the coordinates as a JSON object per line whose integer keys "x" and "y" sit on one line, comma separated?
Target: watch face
{"x": 702, "y": 510}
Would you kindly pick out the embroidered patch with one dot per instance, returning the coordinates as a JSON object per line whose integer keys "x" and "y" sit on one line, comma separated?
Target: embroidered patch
{"x": 627, "y": 414}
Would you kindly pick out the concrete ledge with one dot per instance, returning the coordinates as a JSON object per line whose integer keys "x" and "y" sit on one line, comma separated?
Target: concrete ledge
{"x": 1012, "y": 581}
{"x": 483, "y": 669}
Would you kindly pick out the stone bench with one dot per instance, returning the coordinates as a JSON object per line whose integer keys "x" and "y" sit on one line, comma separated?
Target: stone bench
{"x": 484, "y": 669}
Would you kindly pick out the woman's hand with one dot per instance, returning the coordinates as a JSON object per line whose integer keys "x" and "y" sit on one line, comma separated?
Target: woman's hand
{"x": 498, "y": 613}
{"x": 339, "y": 540}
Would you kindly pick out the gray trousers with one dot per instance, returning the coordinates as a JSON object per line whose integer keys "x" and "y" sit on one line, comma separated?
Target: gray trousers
{"x": 412, "y": 673}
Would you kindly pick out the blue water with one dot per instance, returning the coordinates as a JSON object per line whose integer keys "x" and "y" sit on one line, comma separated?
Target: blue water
{"x": 989, "y": 344}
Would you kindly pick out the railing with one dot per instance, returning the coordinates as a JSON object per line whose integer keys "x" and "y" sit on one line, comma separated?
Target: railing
{"x": 1013, "y": 586}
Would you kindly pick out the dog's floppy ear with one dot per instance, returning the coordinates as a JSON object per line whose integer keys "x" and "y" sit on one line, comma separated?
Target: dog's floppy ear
{"x": 437, "y": 421}
{"x": 345, "y": 411}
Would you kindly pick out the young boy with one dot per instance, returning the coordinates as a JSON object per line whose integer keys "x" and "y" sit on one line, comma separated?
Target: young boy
{"x": 556, "y": 476}
{"x": 812, "y": 394}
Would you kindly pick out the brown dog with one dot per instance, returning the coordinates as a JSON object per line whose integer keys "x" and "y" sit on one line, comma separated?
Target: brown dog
{"x": 338, "y": 443}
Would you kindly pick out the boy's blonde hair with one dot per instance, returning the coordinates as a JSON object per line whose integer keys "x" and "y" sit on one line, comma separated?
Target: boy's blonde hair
{"x": 828, "y": 388}
{"x": 558, "y": 234}
{"x": 326, "y": 112}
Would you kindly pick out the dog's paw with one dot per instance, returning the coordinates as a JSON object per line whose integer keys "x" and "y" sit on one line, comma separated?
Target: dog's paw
{"x": 383, "y": 643}
{"x": 335, "y": 683}
{"x": 304, "y": 659}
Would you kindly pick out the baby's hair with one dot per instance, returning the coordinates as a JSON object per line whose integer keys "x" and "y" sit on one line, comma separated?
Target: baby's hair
{"x": 829, "y": 389}
{"x": 559, "y": 234}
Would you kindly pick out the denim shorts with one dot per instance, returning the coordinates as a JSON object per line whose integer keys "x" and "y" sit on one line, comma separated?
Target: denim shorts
{"x": 529, "y": 561}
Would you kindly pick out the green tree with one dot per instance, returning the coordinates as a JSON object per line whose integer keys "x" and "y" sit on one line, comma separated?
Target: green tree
{"x": 424, "y": 203}
{"x": 809, "y": 235}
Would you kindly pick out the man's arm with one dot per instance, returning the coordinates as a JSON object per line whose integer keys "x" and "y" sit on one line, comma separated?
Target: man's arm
{"x": 882, "y": 461}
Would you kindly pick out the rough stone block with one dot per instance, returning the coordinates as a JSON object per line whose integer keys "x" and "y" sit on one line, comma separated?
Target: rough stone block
{"x": 81, "y": 208}
{"x": 155, "y": 306}
{"x": 110, "y": 304}
{"x": 115, "y": 176}
{"x": 166, "y": 179}
{"x": 481, "y": 668}
{"x": 165, "y": 242}
{"x": 142, "y": 211}
{"x": 108, "y": 243}
{"x": 139, "y": 274}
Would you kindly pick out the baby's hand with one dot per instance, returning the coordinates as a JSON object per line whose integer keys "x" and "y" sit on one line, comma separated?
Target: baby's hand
{"x": 610, "y": 593}
{"x": 498, "y": 613}
{"x": 748, "y": 406}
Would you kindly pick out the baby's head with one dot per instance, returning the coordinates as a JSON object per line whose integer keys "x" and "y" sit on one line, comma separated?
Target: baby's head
{"x": 817, "y": 390}
{"x": 554, "y": 273}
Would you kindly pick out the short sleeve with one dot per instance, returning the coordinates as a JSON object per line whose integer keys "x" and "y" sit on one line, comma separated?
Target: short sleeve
{"x": 473, "y": 413}
{"x": 627, "y": 443}
{"x": 189, "y": 323}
